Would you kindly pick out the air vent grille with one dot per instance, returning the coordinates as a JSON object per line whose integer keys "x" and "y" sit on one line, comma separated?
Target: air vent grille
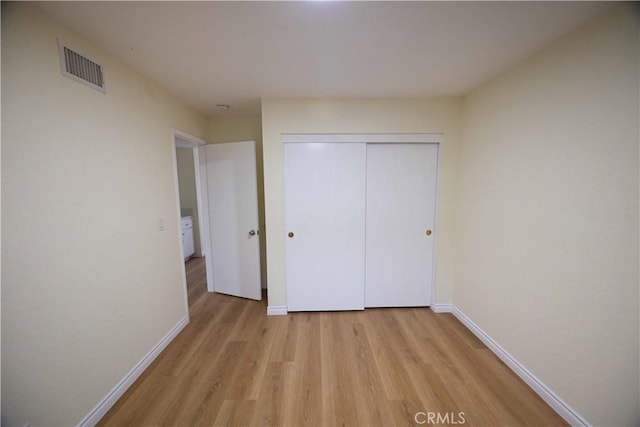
{"x": 80, "y": 68}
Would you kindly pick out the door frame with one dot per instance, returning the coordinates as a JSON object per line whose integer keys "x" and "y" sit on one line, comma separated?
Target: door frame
{"x": 384, "y": 138}
{"x": 181, "y": 139}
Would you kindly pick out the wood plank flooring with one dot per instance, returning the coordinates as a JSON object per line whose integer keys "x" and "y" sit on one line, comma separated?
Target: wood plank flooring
{"x": 234, "y": 366}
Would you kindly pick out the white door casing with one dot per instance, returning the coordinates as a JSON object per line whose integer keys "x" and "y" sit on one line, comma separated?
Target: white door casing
{"x": 325, "y": 212}
{"x": 233, "y": 219}
{"x": 401, "y": 195}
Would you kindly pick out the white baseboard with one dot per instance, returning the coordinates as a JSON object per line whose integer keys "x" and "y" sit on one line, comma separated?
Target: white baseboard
{"x": 277, "y": 310}
{"x": 552, "y": 399}
{"x": 112, "y": 397}
{"x": 441, "y": 308}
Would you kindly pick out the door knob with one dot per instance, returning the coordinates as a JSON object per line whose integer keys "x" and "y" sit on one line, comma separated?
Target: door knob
{"x": 252, "y": 233}
{"x": 290, "y": 235}
{"x": 428, "y": 233}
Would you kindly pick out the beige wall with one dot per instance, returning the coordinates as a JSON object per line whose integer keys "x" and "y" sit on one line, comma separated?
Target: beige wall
{"x": 89, "y": 283}
{"x": 187, "y": 189}
{"x": 359, "y": 116}
{"x": 229, "y": 128}
{"x": 547, "y": 262}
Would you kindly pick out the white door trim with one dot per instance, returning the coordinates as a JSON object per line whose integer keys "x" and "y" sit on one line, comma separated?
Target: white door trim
{"x": 370, "y": 138}
{"x": 185, "y": 140}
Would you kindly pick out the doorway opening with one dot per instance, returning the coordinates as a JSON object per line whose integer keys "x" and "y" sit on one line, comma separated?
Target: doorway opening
{"x": 191, "y": 206}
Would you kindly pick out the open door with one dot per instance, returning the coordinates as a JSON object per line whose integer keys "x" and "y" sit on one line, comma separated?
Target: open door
{"x": 233, "y": 218}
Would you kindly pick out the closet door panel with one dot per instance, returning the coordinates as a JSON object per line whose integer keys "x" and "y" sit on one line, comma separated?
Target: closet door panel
{"x": 325, "y": 225}
{"x": 400, "y": 208}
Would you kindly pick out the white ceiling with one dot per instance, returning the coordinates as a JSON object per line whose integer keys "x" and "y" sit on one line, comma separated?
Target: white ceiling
{"x": 238, "y": 52}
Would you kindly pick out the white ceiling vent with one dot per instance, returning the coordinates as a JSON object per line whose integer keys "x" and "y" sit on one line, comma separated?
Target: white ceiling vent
{"x": 80, "y": 68}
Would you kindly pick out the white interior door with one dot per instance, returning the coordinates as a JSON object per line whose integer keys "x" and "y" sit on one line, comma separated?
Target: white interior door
{"x": 233, "y": 218}
{"x": 401, "y": 195}
{"x": 325, "y": 222}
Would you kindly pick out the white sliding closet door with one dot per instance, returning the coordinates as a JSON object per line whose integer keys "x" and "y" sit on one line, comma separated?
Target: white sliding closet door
{"x": 325, "y": 224}
{"x": 401, "y": 186}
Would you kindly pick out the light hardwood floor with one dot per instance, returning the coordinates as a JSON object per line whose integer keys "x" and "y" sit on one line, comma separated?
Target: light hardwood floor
{"x": 233, "y": 365}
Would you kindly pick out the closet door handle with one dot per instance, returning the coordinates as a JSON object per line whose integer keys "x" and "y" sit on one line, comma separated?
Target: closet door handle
{"x": 252, "y": 233}
{"x": 290, "y": 235}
